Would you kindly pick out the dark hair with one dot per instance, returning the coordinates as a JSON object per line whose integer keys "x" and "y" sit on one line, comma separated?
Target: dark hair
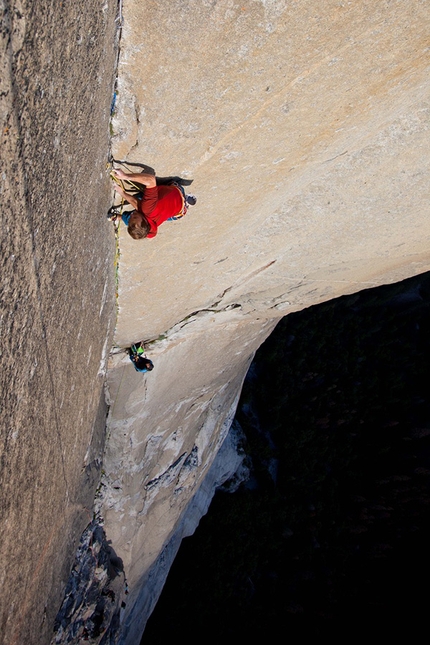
{"x": 139, "y": 230}
{"x": 143, "y": 363}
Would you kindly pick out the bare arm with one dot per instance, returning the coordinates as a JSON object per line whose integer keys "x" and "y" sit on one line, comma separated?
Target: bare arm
{"x": 144, "y": 178}
{"x": 131, "y": 199}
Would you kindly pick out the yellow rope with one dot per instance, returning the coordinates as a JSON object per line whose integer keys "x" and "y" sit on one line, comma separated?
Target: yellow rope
{"x": 120, "y": 183}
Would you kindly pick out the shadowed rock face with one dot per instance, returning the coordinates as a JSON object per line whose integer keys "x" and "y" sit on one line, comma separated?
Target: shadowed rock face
{"x": 57, "y": 248}
{"x": 305, "y": 128}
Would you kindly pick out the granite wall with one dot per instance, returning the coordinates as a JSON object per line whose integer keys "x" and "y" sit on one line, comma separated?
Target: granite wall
{"x": 305, "y": 128}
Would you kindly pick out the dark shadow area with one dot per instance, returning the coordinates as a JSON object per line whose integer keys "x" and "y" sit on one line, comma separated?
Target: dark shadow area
{"x": 329, "y": 537}
{"x": 94, "y": 594}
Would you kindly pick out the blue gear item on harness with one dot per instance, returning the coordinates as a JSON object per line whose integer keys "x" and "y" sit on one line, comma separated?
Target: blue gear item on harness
{"x": 126, "y": 217}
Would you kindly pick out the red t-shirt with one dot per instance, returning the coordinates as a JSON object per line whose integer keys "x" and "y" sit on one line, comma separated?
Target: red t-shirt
{"x": 159, "y": 203}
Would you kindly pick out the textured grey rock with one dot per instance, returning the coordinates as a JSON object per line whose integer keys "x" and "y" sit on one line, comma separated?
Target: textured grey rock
{"x": 95, "y": 594}
{"x": 227, "y": 465}
{"x": 56, "y": 304}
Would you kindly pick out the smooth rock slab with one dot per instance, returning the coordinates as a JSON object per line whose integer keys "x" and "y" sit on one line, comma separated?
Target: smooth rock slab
{"x": 305, "y": 126}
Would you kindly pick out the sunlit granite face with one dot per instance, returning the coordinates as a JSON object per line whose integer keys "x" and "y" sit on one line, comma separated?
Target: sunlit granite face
{"x": 305, "y": 128}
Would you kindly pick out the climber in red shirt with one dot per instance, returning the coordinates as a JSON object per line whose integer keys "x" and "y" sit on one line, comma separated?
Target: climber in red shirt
{"x": 155, "y": 205}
